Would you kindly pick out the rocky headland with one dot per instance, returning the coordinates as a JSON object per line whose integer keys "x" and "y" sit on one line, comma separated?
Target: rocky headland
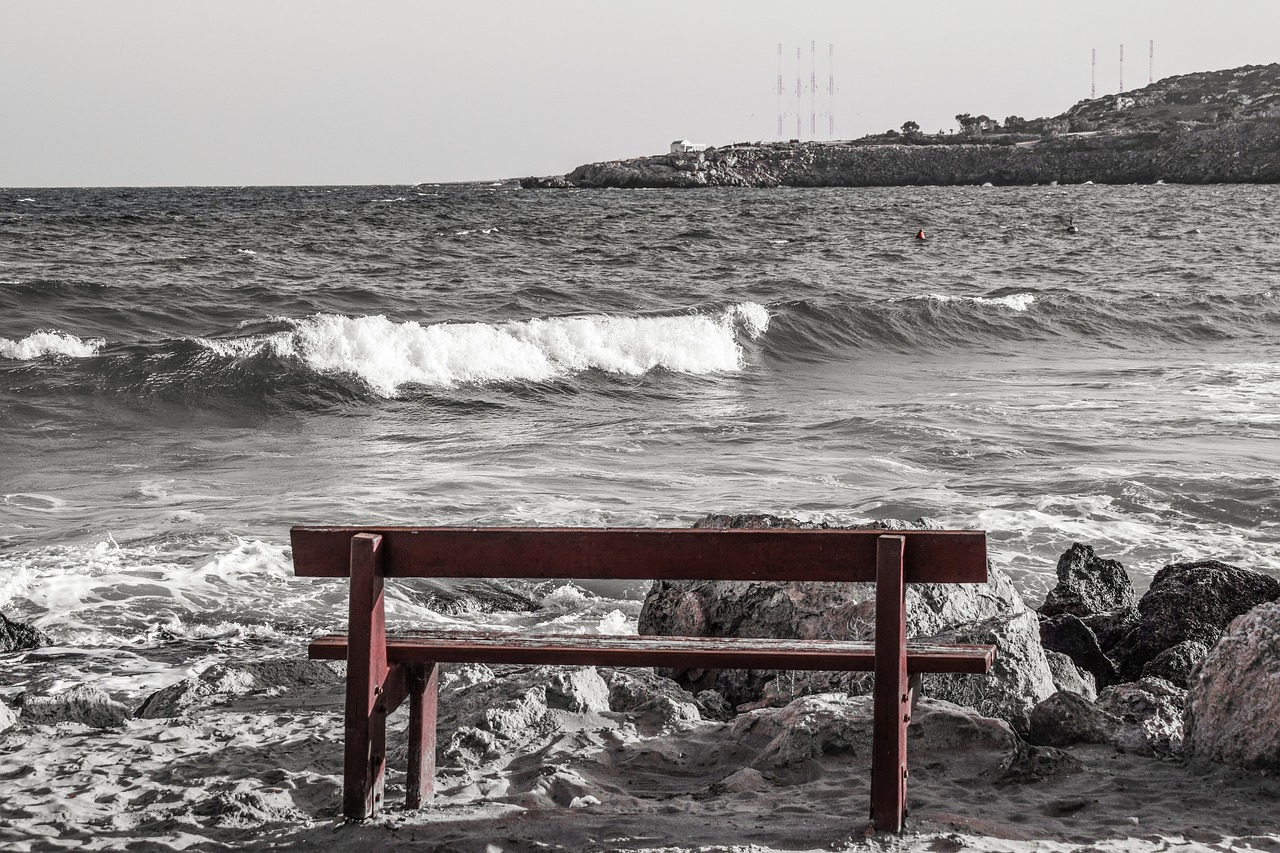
{"x": 1212, "y": 127}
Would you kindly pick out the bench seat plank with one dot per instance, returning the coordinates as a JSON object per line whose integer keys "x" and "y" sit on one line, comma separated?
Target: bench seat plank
{"x": 440, "y": 646}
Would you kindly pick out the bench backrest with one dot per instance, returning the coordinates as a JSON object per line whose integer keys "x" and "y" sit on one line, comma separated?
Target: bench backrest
{"x": 929, "y": 556}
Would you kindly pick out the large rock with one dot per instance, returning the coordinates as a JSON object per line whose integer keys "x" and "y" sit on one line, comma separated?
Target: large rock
{"x": 85, "y": 705}
{"x": 1233, "y": 705}
{"x": 1066, "y": 718}
{"x": 1189, "y": 601}
{"x": 1143, "y": 717}
{"x": 219, "y": 683}
{"x": 1018, "y": 680}
{"x": 1069, "y": 677}
{"x": 1111, "y": 628}
{"x": 806, "y": 610}
{"x": 486, "y": 718}
{"x": 945, "y": 741}
{"x": 468, "y": 595}
{"x": 1176, "y": 663}
{"x": 1088, "y": 584}
{"x": 18, "y": 636}
{"x": 1150, "y": 711}
{"x": 1069, "y": 635}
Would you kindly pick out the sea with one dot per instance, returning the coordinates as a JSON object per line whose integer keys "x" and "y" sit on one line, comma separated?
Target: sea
{"x": 187, "y": 372}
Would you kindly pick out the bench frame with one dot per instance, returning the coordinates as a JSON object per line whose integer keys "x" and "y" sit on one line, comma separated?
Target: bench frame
{"x": 383, "y": 670}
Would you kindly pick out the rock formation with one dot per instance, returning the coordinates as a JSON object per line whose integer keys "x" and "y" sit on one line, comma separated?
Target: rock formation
{"x": 85, "y": 705}
{"x": 990, "y": 613}
{"x": 1189, "y": 601}
{"x": 18, "y": 636}
{"x": 1088, "y": 584}
{"x": 1233, "y": 705}
{"x": 221, "y": 681}
{"x": 1212, "y": 127}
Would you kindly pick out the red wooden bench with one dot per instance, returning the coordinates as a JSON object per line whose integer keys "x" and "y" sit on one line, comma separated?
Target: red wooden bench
{"x": 384, "y": 668}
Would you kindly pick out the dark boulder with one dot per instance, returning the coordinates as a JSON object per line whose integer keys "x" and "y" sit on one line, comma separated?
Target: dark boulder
{"x": 1110, "y": 628}
{"x": 17, "y": 636}
{"x": 1189, "y": 601}
{"x": 1066, "y": 718}
{"x": 1176, "y": 663}
{"x": 456, "y": 596}
{"x": 1068, "y": 634}
{"x": 754, "y": 521}
{"x": 1088, "y": 584}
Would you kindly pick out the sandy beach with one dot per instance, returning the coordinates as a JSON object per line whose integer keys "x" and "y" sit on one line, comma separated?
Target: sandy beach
{"x": 259, "y": 768}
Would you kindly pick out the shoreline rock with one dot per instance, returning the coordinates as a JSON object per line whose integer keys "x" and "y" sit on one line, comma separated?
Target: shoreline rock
{"x": 19, "y": 636}
{"x": 1246, "y": 151}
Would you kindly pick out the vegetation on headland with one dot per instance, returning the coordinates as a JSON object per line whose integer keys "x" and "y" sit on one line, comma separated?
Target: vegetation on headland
{"x": 1208, "y": 127}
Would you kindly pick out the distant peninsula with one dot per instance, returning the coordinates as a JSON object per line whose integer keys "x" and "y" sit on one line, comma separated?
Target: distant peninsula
{"x": 1208, "y": 127}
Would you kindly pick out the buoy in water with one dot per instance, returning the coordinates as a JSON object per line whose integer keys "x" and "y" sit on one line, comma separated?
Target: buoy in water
{"x": 1071, "y": 225}
{"x": 920, "y": 234}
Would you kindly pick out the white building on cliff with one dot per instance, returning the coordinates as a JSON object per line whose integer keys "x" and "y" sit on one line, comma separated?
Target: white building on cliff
{"x": 683, "y": 146}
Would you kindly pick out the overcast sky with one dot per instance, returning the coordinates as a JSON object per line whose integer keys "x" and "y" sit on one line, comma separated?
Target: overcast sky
{"x": 170, "y": 92}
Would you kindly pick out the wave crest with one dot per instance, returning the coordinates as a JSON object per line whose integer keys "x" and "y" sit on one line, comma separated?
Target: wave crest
{"x": 386, "y": 354}
{"x": 39, "y": 344}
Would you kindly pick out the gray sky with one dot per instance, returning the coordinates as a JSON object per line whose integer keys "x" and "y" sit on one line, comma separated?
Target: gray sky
{"x": 171, "y": 92}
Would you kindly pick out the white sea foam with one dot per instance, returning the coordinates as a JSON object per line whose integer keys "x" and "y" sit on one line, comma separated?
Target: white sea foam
{"x": 1245, "y": 392}
{"x": 40, "y": 344}
{"x": 1014, "y": 301}
{"x": 280, "y": 343}
{"x": 387, "y": 354}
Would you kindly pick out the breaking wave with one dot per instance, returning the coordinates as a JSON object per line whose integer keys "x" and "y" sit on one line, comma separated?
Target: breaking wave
{"x": 388, "y": 355}
{"x": 39, "y": 344}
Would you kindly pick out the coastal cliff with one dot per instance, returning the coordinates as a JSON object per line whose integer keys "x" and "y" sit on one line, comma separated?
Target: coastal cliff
{"x": 1214, "y": 127}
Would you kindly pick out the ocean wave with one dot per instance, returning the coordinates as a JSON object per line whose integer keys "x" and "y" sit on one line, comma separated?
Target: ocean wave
{"x": 39, "y": 344}
{"x": 819, "y": 329}
{"x": 1014, "y": 301}
{"x": 387, "y": 355}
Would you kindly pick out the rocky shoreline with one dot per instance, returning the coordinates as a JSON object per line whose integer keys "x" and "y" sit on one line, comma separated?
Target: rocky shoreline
{"x": 1245, "y": 151}
{"x": 1096, "y": 694}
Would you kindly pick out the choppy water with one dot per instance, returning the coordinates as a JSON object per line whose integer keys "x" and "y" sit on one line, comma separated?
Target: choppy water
{"x": 184, "y": 373}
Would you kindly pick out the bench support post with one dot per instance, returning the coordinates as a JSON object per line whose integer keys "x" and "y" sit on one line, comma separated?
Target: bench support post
{"x": 423, "y": 693}
{"x": 892, "y": 697}
{"x": 365, "y": 759}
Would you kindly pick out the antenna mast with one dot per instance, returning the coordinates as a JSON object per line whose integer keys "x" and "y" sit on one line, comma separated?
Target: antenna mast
{"x": 813, "y": 90}
{"x": 779, "y": 90}
{"x": 799, "y": 93}
{"x": 831, "y": 91}
{"x": 1093, "y": 76}
{"x": 1121, "y": 68}
{"x": 1151, "y": 62}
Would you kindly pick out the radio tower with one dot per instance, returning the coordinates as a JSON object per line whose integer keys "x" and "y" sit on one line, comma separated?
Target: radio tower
{"x": 799, "y": 93}
{"x": 1151, "y": 62}
{"x": 779, "y": 90}
{"x": 1093, "y": 78}
{"x": 1121, "y": 68}
{"x": 831, "y": 91}
{"x": 813, "y": 90}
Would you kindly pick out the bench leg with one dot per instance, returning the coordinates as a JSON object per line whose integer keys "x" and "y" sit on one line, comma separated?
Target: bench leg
{"x": 891, "y": 704}
{"x": 423, "y": 694}
{"x": 364, "y": 761}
